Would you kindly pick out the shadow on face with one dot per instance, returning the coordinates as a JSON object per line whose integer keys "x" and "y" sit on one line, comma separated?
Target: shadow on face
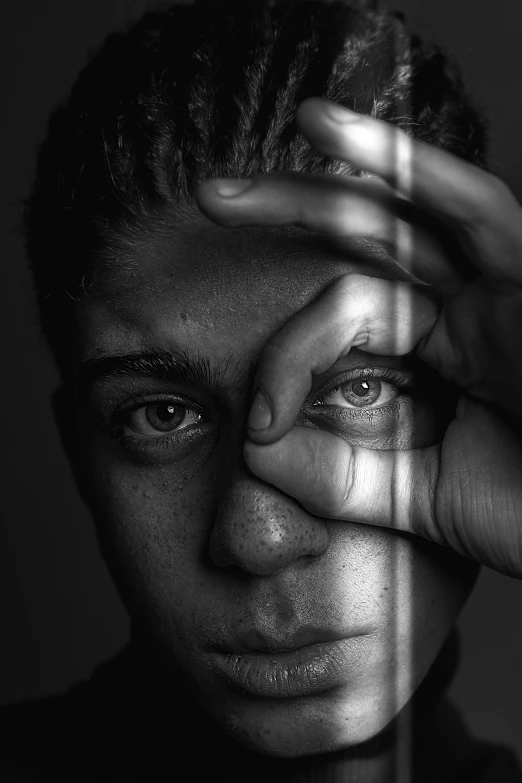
{"x": 299, "y": 634}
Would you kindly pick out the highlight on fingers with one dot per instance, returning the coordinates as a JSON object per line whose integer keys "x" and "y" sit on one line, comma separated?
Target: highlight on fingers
{"x": 376, "y": 315}
{"x": 169, "y": 315}
{"x": 333, "y": 479}
{"x": 475, "y": 203}
{"x": 398, "y": 62}
{"x": 345, "y": 208}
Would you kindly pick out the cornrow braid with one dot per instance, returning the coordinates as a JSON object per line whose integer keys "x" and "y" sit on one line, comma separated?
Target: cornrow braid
{"x": 183, "y": 96}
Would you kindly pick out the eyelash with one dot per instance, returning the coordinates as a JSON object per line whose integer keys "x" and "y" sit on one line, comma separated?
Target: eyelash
{"x": 401, "y": 379}
{"x": 142, "y": 445}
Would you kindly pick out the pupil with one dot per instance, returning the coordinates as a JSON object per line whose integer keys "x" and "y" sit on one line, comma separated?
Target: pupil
{"x": 165, "y": 412}
{"x": 362, "y": 393}
{"x": 361, "y": 389}
{"x": 165, "y": 416}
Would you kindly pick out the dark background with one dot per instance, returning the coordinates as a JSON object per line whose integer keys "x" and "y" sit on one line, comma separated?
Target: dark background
{"x": 59, "y": 612}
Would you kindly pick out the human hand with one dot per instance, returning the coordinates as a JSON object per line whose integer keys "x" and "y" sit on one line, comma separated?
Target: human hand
{"x": 465, "y": 492}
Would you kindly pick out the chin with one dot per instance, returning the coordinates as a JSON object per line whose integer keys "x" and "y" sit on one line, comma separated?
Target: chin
{"x": 294, "y": 728}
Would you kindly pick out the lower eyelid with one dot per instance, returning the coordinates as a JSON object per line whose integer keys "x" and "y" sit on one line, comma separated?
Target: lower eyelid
{"x": 380, "y": 410}
{"x": 389, "y": 408}
{"x": 136, "y": 444}
{"x": 402, "y": 424}
{"x": 133, "y": 440}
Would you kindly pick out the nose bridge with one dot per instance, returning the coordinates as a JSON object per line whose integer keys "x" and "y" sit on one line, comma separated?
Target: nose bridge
{"x": 261, "y": 530}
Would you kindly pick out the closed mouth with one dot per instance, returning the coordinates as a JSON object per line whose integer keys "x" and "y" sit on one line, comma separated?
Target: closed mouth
{"x": 276, "y": 670}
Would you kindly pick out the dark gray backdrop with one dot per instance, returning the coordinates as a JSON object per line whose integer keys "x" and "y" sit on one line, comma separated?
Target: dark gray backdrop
{"x": 59, "y": 612}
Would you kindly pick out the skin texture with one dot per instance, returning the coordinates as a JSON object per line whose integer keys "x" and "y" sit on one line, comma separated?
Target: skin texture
{"x": 201, "y": 548}
{"x": 464, "y": 492}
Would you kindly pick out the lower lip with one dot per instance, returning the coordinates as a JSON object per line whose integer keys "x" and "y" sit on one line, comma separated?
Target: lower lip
{"x": 308, "y": 670}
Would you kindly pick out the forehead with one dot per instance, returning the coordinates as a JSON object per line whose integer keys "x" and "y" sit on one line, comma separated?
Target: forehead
{"x": 204, "y": 286}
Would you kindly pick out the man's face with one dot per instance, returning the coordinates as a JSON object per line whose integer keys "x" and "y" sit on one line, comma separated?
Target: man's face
{"x": 299, "y": 634}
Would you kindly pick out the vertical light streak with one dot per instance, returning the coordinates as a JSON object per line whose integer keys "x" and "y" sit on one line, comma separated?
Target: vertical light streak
{"x": 402, "y": 481}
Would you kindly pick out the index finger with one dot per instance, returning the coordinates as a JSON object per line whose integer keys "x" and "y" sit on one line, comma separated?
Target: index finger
{"x": 379, "y": 316}
{"x": 463, "y": 195}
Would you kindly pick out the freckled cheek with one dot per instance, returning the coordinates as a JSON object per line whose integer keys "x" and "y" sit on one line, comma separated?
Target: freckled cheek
{"x": 404, "y": 585}
{"x": 155, "y": 522}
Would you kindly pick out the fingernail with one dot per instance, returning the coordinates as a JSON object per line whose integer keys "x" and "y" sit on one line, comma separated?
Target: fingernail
{"x": 260, "y": 416}
{"x": 228, "y": 188}
{"x": 339, "y": 114}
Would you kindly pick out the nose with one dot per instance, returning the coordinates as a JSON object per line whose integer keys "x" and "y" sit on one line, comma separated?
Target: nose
{"x": 261, "y": 530}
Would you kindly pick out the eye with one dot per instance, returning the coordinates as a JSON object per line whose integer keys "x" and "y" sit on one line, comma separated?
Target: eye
{"x": 382, "y": 407}
{"x": 161, "y": 416}
{"x": 361, "y": 393}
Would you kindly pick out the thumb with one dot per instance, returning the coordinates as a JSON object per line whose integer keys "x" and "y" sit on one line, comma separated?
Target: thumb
{"x": 335, "y": 480}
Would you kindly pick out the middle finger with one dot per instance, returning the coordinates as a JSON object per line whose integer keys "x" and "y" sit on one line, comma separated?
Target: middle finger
{"x": 343, "y": 207}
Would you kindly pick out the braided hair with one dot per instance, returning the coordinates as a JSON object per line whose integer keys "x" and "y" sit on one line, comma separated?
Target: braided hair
{"x": 193, "y": 92}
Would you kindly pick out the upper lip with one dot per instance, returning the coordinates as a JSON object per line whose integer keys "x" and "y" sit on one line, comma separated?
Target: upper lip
{"x": 259, "y": 641}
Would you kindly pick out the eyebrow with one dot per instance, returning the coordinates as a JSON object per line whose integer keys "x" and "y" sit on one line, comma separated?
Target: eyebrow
{"x": 176, "y": 366}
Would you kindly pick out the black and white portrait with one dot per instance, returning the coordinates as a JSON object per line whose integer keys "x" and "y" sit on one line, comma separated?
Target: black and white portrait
{"x": 262, "y": 392}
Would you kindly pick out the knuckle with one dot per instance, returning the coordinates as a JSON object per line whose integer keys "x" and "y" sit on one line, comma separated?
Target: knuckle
{"x": 332, "y": 477}
{"x": 491, "y": 195}
{"x": 497, "y": 193}
{"x": 345, "y": 482}
{"x": 498, "y": 187}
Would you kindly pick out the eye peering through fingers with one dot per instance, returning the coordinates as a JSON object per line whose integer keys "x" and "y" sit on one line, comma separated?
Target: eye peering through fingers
{"x": 378, "y": 316}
